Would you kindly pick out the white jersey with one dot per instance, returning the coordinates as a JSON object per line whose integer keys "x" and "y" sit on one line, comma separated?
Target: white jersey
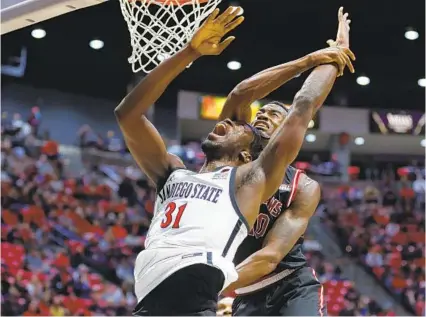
{"x": 196, "y": 220}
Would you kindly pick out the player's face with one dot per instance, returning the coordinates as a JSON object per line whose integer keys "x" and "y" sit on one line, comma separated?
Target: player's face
{"x": 268, "y": 118}
{"x": 228, "y": 139}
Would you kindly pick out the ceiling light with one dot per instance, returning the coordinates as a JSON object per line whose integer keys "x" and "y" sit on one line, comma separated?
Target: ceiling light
{"x": 422, "y": 82}
{"x": 359, "y": 141}
{"x": 96, "y": 44}
{"x": 38, "y": 33}
{"x": 363, "y": 80}
{"x": 411, "y": 35}
{"x": 423, "y": 143}
{"x": 234, "y": 65}
{"x": 310, "y": 138}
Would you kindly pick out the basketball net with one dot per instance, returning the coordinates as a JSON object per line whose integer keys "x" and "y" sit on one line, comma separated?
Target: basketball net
{"x": 160, "y": 28}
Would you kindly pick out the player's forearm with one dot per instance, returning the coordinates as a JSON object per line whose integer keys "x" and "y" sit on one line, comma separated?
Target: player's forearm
{"x": 315, "y": 90}
{"x": 256, "y": 266}
{"x": 262, "y": 84}
{"x": 290, "y": 229}
{"x": 268, "y": 80}
{"x": 147, "y": 92}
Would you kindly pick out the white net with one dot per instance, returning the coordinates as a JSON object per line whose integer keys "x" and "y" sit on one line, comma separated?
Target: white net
{"x": 160, "y": 28}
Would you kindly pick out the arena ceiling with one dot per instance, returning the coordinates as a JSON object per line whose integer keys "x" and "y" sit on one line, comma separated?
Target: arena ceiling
{"x": 275, "y": 31}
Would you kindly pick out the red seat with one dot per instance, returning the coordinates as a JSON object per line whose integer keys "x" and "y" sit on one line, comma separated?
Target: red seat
{"x": 418, "y": 237}
{"x": 400, "y": 238}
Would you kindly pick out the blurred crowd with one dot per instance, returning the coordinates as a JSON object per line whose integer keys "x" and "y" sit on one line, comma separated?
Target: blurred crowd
{"x": 68, "y": 242}
{"x": 383, "y": 227}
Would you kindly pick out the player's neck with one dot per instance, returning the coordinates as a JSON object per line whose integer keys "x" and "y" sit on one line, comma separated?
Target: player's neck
{"x": 210, "y": 166}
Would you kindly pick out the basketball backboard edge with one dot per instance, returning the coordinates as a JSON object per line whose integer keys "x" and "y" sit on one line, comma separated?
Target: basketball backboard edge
{"x": 16, "y": 14}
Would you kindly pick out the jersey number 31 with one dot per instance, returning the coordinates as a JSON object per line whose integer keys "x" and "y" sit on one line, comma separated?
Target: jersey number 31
{"x": 170, "y": 211}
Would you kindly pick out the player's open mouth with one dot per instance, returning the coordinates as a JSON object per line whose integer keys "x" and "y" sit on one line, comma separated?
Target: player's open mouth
{"x": 220, "y": 129}
{"x": 261, "y": 125}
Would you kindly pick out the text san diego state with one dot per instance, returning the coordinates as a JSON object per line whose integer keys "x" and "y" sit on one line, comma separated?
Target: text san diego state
{"x": 190, "y": 190}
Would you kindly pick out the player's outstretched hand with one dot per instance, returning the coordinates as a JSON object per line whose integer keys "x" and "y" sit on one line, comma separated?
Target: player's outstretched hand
{"x": 207, "y": 40}
{"x": 342, "y": 56}
{"x": 342, "y": 38}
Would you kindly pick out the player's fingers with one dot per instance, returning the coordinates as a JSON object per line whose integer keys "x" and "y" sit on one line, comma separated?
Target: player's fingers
{"x": 213, "y": 15}
{"x": 231, "y": 17}
{"x": 351, "y": 67}
{"x": 225, "y": 14}
{"x": 340, "y": 64}
{"x": 230, "y": 26}
{"x": 345, "y": 16}
{"x": 340, "y": 13}
{"x": 348, "y": 22}
{"x": 349, "y": 53}
{"x": 225, "y": 43}
{"x": 348, "y": 62}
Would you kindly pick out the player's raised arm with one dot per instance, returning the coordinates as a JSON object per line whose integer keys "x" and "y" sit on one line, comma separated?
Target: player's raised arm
{"x": 237, "y": 105}
{"x": 287, "y": 140}
{"x": 258, "y": 86}
{"x": 141, "y": 136}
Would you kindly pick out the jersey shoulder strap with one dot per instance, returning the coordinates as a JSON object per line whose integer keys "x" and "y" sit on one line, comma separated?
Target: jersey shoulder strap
{"x": 225, "y": 176}
{"x": 290, "y": 183}
{"x": 163, "y": 180}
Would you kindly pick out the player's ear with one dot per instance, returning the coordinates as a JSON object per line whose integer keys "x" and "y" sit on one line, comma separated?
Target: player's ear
{"x": 245, "y": 157}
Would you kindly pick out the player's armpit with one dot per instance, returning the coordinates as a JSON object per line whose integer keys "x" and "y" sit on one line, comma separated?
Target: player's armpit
{"x": 290, "y": 225}
{"x": 148, "y": 149}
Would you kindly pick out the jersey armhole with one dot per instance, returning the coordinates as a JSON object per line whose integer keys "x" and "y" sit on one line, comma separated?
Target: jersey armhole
{"x": 163, "y": 180}
{"x": 294, "y": 185}
{"x": 233, "y": 198}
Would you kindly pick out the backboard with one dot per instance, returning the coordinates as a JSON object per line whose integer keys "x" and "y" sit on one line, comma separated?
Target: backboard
{"x": 16, "y": 14}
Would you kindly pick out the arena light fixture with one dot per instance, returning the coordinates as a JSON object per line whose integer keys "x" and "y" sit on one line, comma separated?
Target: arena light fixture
{"x": 411, "y": 35}
{"x": 359, "y": 141}
{"x": 310, "y": 138}
{"x": 96, "y": 44}
{"x": 423, "y": 143}
{"x": 422, "y": 82}
{"x": 363, "y": 80}
{"x": 234, "y": 65}
{"x": 38, "y": 33}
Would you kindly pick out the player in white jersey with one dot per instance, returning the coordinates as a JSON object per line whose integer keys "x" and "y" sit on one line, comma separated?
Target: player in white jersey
{"x": 201, "y": 218}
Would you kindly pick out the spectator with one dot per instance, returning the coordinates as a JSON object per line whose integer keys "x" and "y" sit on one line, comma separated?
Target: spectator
{"x": 374, "y": 258}
{"x": 113, "y": 143}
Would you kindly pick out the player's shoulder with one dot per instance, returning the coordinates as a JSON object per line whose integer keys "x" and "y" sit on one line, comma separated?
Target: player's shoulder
{"x": 305, "y": 180}
{"x": 307, "y": 186}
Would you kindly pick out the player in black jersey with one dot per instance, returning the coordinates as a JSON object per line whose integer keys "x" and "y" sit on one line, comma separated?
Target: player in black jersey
{"x": 273, "y": 250}
{"x": 274, "y": 278}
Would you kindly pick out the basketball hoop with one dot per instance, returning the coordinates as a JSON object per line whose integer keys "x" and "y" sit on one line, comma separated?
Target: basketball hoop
{"x": 160, "y": 28}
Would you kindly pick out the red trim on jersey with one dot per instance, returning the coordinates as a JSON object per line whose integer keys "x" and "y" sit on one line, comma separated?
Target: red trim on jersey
{"x": 320, "y": 295}
{"x": 294, "y": 185}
